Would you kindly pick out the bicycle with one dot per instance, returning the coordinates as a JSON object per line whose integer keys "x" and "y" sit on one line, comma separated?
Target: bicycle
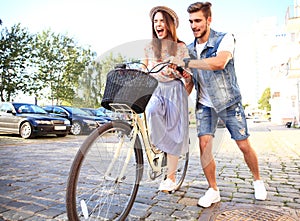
{"x": 107, "y": 170}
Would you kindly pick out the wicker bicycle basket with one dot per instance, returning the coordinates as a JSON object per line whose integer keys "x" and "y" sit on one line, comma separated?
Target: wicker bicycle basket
{"x": 128, "y": 86}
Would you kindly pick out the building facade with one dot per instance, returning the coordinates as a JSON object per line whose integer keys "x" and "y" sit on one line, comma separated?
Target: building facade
{"x": 285, "y": 69}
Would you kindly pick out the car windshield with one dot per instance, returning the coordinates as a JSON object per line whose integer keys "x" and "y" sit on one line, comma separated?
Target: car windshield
{"x": 77, "y": 111}
{"x": 29, "y": 108}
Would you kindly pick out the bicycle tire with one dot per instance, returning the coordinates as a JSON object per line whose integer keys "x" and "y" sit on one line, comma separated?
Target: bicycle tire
{"x": 92, "y": 194}
{"x": 182, "y": 167}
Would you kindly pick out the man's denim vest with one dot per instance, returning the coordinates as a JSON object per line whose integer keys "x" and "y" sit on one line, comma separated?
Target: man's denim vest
{"x": 221, "y": 85}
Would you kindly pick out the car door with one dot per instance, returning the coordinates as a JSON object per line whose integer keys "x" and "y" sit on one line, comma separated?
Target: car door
{"x": 8, "y": 119}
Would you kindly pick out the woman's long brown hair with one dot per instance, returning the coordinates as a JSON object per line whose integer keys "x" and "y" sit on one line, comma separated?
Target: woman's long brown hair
{"x": 171, "y": 42}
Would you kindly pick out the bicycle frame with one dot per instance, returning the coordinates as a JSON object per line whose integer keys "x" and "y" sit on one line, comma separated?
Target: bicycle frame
{"x": 109, "y": 166}
{"x": 143, "y": 131}
{"x": 139, "y": 128}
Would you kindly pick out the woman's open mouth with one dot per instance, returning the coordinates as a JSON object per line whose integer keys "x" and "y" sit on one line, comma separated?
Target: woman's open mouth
{"x": 160, "y": 32}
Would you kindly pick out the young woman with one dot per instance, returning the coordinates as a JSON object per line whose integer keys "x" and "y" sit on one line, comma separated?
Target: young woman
{"x": 167, "y": 110}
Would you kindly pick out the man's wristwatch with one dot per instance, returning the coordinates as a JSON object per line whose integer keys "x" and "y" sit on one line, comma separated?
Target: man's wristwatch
{"x": 186, "y": 62}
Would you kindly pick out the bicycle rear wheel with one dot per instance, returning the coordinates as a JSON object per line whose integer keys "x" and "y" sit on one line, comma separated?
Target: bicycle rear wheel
{"x": 182, "y": 167}
{"x": 105, "y": 174}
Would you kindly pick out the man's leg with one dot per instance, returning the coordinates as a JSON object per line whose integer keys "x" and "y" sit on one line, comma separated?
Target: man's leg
{"x": 236, "y": 123}
{"x": 250, "y": 157}
{"x": 207, "y": 160}
{"x": 206, "y": 127}
{"x": 212, "y": 195}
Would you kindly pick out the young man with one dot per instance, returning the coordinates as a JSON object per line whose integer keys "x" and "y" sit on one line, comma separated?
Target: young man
{"x": 218, "y": 95}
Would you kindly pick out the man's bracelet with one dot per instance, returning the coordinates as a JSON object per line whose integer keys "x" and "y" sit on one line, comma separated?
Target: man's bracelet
{"x": 186, "y": 62}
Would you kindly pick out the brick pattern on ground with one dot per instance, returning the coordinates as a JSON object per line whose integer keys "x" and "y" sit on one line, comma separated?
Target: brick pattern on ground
{"x": 34, "y": 173}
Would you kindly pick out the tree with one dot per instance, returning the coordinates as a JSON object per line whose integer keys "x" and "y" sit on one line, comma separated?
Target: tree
{"x": 264, "y": 100}
{"x": 16, "y": 47}
{"x": 92, "y": 81}
{"x": 60, "y": 63}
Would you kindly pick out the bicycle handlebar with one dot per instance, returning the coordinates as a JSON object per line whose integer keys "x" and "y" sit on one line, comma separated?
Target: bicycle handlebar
{"x": 152, "y": 70}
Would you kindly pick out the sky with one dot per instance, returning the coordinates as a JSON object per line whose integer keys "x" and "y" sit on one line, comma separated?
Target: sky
{"x": 105, "y": 25}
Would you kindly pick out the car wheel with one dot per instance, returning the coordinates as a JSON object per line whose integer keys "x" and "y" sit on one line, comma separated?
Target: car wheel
{"x": 26, "y": 131}
{"x": 76, "y": 128}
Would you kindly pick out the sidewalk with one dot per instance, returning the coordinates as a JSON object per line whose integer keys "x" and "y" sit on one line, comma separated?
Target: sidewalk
{"x": 279, "y": 166}
{"x": 33, "y": 180}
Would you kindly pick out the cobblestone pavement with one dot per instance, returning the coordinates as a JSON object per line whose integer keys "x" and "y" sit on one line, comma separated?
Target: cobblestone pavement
{"x": 34, "y": 172}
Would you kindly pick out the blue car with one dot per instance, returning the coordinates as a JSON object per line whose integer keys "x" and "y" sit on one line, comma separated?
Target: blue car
{"x": 98, "y": 113}
{"x": 82, "y": 122}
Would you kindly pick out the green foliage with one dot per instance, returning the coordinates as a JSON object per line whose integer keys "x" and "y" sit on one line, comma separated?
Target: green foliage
{"x": 263, "y": 102}
{"x": 93, "y": 79}
{"x": 60, "y": 64}
{"x": 52, "y": 63}
{"x": 16, "y": 50}
{"x": 46, "y": 61}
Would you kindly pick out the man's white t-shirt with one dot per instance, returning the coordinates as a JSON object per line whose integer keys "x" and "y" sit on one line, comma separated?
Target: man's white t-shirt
{"x": 226, "y": 44}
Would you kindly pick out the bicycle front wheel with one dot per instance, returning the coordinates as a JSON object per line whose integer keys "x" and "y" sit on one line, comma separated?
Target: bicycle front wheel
{"x": 105, "y": 174}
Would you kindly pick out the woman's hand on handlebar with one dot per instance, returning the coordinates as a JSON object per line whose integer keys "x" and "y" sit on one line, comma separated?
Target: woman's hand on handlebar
{"x": 177, "y": 65}
{"x": 176, "y": 61}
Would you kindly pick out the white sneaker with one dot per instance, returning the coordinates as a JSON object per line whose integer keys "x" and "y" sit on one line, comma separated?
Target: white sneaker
{"x": 167, "y": 185}
{"x": 211, "y": 196}
{"x": 260, "y": 192}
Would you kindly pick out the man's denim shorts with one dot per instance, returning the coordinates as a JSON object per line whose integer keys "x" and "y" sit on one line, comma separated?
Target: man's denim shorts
{"x": 233, "y": 117}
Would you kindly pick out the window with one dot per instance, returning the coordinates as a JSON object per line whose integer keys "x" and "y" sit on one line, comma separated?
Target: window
{"x": 58, "y": 110}
{"x": 276, "y": 94}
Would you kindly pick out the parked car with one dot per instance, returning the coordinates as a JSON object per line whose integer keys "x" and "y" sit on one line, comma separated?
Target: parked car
{"x": 113, "y": 115}
{"x": 29, "y": 120}
{"x": 107, "y": 112}
{"x": 81, "y": 121}
{"x": 97, "y": 113}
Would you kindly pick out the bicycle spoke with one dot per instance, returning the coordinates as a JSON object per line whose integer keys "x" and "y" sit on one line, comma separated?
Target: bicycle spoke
{"x": 106, "y": 186}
